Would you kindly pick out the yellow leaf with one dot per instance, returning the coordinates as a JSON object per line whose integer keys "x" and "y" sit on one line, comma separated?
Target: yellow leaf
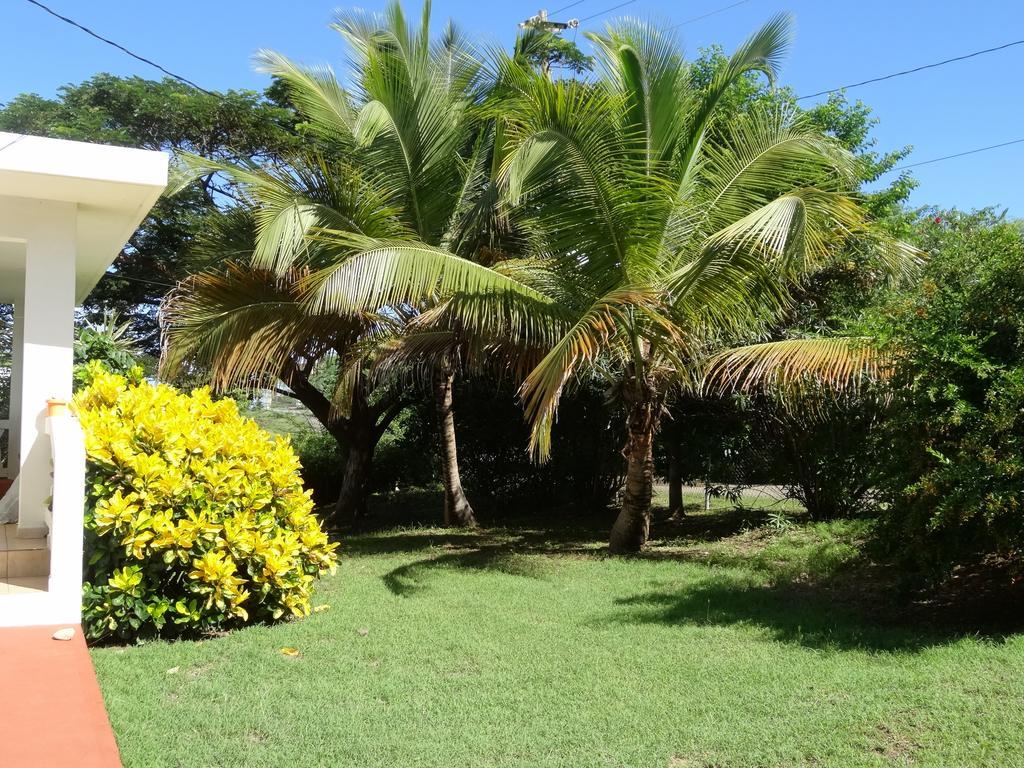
{"x": 286, "y": 651}
{"x": 321, "y": 608}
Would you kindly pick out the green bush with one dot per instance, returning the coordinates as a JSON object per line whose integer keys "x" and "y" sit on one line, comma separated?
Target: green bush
{"x": 323, "y": 461}
{"x": 196, "y": 519}
{"x": 820, "y": 450}
{"x": 953, "y": 448}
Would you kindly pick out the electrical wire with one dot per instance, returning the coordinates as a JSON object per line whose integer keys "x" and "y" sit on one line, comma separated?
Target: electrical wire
{"x": 890, "y": 76}
{"x": 705, "y": 15}
{"x": 567, "y": 7}
{"x": 607, "y": 10}
{"x": 120, "y": 47}
{"x": 912, "y": 71}
{"x": 957, "y": 154}
{"x": 121, "y": 276}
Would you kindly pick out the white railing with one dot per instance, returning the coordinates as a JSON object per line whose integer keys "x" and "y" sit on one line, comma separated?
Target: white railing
{"x": 67, "y": 448}
{"x": 61, "y": 603}
{"x": 5, "y": 434}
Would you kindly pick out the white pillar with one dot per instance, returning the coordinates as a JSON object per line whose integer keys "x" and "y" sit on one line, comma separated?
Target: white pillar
{"x": 17, "y": 363}
{"x": 47, "y": 357}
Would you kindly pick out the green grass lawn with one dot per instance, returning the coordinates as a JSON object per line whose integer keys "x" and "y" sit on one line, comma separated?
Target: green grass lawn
{"x": 726, "y": 645}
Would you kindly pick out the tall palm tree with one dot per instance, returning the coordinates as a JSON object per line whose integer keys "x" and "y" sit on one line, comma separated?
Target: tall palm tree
{"x": 408, "y": 133}
{"x": 652, "y": 238}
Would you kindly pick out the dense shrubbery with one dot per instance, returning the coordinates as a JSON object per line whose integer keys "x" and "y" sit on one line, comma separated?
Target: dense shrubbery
{"x": 196, "y": 519}
{"x": 585, "y": 469}
{"x": 820, "y": 450}
{"x": 954, "y": 444}
{"x": 586, "y": 466}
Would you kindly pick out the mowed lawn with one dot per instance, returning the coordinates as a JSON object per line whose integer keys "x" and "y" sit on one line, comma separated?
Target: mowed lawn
{"x": 725, "y": 646}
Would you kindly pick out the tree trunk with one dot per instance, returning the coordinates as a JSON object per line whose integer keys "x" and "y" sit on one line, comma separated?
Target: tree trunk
{"x": 457, "y": 511}
{"x": 633, "y": 525}
{"x": 675, "y": 480}
{"x": 355, "y": 479}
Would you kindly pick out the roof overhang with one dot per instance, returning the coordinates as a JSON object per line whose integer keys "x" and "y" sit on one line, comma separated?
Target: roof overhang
{"x": 112, "y": 187}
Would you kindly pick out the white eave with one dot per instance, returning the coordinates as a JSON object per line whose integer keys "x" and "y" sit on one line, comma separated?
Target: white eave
{"x": 112, "y": 187}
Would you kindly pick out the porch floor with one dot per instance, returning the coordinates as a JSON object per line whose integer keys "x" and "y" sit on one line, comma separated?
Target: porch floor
{"x": 54, "y": 714}
{"x": 23, "y": 585}
{"x": 22, "y": 561}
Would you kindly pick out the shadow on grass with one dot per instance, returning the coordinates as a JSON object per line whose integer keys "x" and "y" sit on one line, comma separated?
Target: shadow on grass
{"x": 804, "y": 614}
{"x": 412, "y": 578}
{"x": 406, "y": 541}
{"x": 708, "y": 526}
{"x": 807, "y": 586}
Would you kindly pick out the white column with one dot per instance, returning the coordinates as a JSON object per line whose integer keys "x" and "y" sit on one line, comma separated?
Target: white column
{"x": 47, "y": 357}
{"x": 17, "y": 363}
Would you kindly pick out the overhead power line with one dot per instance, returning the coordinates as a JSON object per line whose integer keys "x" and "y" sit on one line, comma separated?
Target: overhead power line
{"x": 607, "y": 10}
{"x": 706, "y": 15}
{"x": 912, "y": 71}
{"x": 567, "y": 7}
{"x": 119, "y": 47}
{"x": 668, "y": 29}
{"x": 957, "y": 154}
{"x": 119, "y": 276}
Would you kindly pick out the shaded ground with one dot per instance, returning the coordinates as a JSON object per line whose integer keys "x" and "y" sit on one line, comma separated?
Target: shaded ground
{"x": 739, "y": 639}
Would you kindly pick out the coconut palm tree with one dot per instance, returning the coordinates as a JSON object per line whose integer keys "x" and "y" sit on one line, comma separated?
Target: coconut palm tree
{"x": 653, "y": 240}
{"x": 408, "y": 133}
{"x": 251, "y": 327}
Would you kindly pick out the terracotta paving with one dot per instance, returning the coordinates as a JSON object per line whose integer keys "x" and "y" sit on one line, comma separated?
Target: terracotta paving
{"x": 53, "y": 710}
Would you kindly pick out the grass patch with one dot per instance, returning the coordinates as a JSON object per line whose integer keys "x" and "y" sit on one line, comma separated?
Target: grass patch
{"x": 725, "y": 645}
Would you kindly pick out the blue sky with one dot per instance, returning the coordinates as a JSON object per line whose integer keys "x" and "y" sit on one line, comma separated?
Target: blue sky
{"x": 942, "y": 111}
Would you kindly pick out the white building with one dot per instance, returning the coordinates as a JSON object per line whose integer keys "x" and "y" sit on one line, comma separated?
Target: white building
{"x": 66, "y": 210}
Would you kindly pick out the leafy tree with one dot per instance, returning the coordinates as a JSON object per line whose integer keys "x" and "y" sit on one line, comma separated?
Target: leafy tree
{"x": 546, "y": 50}
{"x": 165, "y": 115}
{"x": 952, "y": 446}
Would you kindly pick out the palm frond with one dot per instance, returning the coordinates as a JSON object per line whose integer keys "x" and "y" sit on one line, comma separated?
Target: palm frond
{"x": 762, "y": 52}
{"x": 581, "y": 345}
{"x": 794, "y": 365}
{"x": 247, "y": 326}
{"x": 316, "y": 93}
{"x": 370, "y": 274}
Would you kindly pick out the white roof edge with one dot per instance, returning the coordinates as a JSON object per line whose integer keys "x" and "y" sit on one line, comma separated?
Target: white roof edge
{"x": 75, "y": 159}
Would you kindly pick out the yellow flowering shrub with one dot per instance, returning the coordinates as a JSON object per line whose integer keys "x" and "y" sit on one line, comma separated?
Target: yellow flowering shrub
{"x": 196, "y": 519}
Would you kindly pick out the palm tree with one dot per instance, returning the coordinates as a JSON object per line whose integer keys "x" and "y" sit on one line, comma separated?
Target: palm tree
{"x": 653, "y": 240}
{"x": 250, "y": 327}
{"x": 410, "y": 136}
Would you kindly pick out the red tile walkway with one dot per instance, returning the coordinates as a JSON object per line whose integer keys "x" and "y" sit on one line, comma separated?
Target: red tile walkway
{"x": 53, "y": 713}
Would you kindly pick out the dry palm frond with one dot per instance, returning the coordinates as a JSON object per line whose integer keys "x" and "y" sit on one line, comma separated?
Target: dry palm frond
{"x": 839, "y": 364}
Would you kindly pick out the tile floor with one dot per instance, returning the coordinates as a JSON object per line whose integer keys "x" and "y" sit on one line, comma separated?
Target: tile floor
{"x": 24, "y": 563}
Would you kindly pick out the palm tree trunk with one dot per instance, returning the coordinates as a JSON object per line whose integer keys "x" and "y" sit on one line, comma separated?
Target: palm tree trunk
{"x": 457, "y": 511}
{"x": 633, "y": 525}
{"x": 359, "y": 435}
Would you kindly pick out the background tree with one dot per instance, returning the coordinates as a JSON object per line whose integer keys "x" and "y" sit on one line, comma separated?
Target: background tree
{"x": 249, "y": 327}
{"x": 410, "y": 136}
{"x": 159, "y": 115}
{"x": 546, "y": 50}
